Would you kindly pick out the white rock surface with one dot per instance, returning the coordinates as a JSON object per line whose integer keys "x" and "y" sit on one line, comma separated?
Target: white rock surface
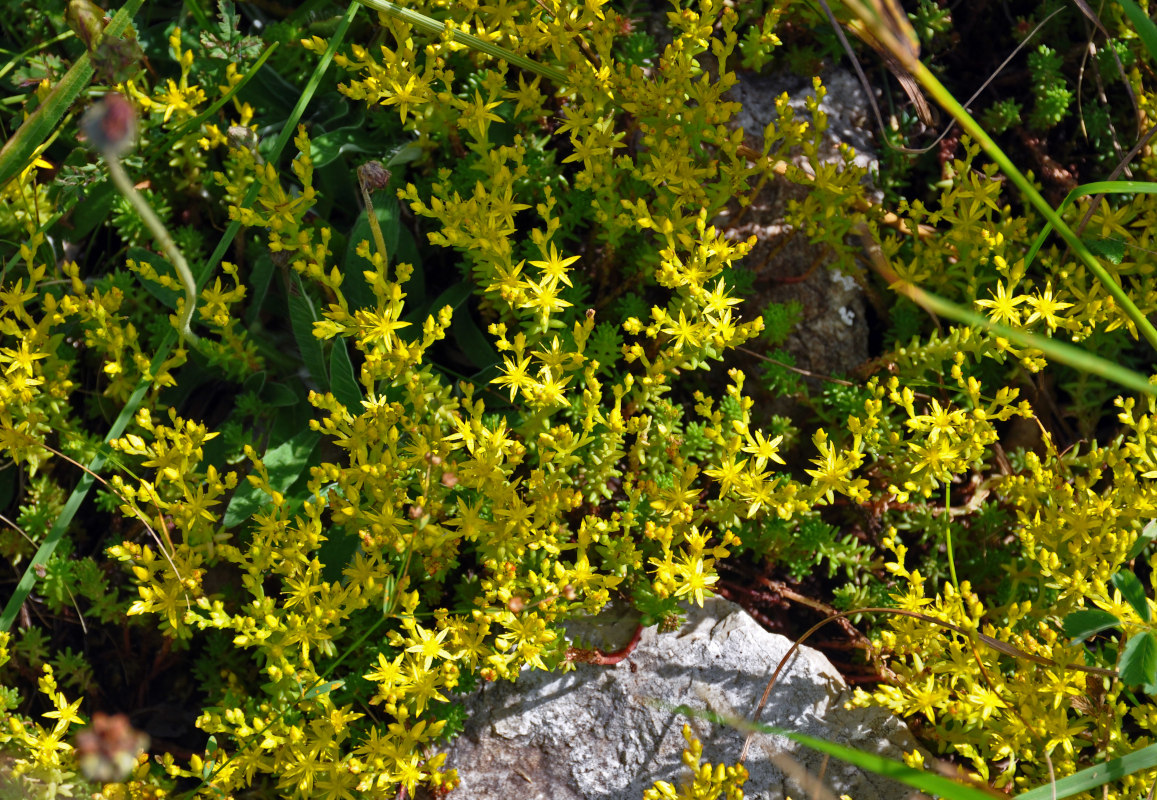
{"x": 609, "y": 732}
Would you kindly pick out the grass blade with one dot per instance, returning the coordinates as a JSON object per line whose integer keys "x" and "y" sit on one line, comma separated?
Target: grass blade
{"x": 1089, "y": 779}
{"x": 1142, "y": 24}
{"x": 19, "y": 150}
{"x": 1098, "y": 187}
{"x": 928, "y": 782}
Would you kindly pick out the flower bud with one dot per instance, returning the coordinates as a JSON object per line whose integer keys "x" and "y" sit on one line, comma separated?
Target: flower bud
{"x": 110, "y": 125}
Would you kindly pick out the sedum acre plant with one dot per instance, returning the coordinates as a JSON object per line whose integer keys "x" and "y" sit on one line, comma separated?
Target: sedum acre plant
{"x": 431, "y": 452}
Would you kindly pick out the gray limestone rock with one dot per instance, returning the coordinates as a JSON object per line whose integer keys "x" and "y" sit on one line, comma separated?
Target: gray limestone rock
{"x": 610, "y": 732}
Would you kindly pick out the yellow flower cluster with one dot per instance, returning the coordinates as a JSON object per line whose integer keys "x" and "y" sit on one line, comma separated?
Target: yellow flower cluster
{"x": 706, "y": 782}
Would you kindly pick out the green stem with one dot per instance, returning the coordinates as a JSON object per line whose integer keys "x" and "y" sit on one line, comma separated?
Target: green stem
{"x": 948, "y": 535}
{"x": 161, "y": 234}
{"x": 376, "y": 229}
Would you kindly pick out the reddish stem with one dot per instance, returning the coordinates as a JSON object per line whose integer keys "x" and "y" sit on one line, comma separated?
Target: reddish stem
{"x": 597, "y": 656}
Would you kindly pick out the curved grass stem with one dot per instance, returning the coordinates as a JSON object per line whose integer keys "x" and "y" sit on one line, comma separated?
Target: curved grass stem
{"x": 161, "y": 234}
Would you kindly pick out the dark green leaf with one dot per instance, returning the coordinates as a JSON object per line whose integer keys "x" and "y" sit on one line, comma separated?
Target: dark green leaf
{"x": 1080, "y": 625}
{"x": 464, "y": 330}
{"x": 285, "y": 463}
{"x": 254, "y": 383}
{"x": 344, "y": 383}
{"x": 259, "y": 280}
{"x": 1112, "y": 250}
{"x": 92, "y": 210}
{"x": 1148, "y": 534}
{"x": 355, "y": 286}
{"x": 301, "y": 318}
{"x": 1138, "y": 663}
{"x": 326, "y": 148}
{"x": 1133, "y": 592}
{"x": 278, "y": 395}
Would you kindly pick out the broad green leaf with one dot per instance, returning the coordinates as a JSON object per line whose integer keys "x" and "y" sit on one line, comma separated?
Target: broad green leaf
{"x": 278, "y": 395}
{"x": 1112, "y": 250}
{"x": 91, "y": 210}
{"x": 255, "y": 382}
{"x": 471, "y": 340}
{"x": 301, "y": 318}
{"x": 1133, "y": 592}
{"x": 1080, "y": 625}
{"x": 1138, "y": 663}
{"x": 285, "y": 463}
{"x": 259, "y": 279}
{"x": 351, "y": 138}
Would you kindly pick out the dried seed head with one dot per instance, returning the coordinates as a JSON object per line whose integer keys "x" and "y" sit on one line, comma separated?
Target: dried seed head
{"x": 241, "y": 137}
{"x": 110, "y": 125}
{"x": 107, "y": 750}
{"x": 373, "y": 176}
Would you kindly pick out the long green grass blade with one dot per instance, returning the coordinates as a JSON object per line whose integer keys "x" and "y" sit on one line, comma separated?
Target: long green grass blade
{"x": 1084, "y": 190}
{"x": 928, "y": 782}
{"x": 72, "y": 505}
{"x": 19, "y": 151}
{"x": 1054, "y": 350}
{"x": 1142, "y": 24}
{"x": 1089, "y": 779}
{"x": 969, "y": 125}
